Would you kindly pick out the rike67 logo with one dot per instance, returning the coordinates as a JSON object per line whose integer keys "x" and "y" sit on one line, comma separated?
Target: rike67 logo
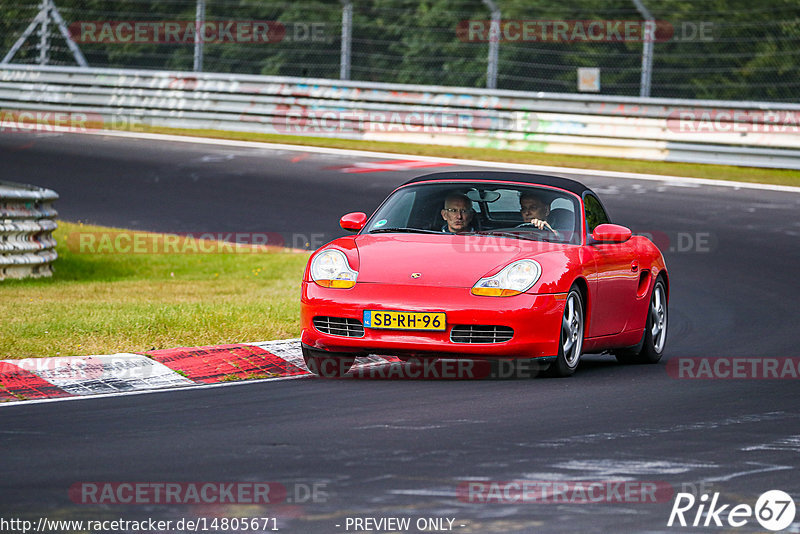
{"x": 774, "y": 510}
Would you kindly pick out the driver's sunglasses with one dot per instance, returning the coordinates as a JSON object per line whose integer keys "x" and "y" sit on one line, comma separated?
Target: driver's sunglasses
{"x": 457, "y": 210}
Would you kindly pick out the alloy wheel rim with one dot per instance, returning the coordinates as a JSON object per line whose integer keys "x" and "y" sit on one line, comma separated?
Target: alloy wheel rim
{"x": 572, "y": 330}
{"x": 658, "y": 316}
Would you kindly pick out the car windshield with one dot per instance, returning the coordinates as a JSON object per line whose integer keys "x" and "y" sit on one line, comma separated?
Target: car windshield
{"x": 480, "y": 208}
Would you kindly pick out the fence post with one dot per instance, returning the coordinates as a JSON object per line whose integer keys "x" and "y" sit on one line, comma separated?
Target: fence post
{"x": 44, "y": 33}
{"x": 199, "y": 21}
{"x": 347, "y": 34}
{"x": 648, "y": 36}
{"x": 494, "y": 45}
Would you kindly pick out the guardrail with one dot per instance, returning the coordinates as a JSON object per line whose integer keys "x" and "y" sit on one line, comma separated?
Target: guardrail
{"x": 760, "y": 134}
{"x": 27, "y": 245}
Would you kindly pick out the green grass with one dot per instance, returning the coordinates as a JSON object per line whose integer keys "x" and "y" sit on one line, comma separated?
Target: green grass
{"x": 695, "y": 170}
{"x": 131, "y": 302}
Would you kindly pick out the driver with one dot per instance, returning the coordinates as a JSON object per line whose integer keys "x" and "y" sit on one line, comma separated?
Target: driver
{"x": 457, "y": 214}
{"x": 535, "y": 211}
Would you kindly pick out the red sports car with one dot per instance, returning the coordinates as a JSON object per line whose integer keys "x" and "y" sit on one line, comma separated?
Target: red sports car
{"x": 485, "y": 265}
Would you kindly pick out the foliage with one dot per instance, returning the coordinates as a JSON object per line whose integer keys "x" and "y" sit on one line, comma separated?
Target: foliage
{"x": 749, "y": 52}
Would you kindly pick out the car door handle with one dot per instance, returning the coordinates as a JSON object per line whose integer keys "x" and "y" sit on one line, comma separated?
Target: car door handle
{"x": 634, "y": 266}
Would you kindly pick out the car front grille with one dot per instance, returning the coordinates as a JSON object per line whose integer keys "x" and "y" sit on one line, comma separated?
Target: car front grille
{"x": 480, "y": 333}
{"x": 339, "y": 326}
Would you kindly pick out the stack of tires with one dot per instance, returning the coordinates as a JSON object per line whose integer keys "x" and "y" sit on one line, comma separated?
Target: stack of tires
{"x": 27, "y": 222}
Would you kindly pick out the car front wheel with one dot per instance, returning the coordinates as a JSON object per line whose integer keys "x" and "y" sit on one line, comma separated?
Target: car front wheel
{"x": 571, "y": 338}
{"x": 327, "y": 364}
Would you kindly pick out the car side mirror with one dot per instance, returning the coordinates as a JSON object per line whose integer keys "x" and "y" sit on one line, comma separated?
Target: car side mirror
{"x": 353, "y": 221}
{"x": 611, "y": 233}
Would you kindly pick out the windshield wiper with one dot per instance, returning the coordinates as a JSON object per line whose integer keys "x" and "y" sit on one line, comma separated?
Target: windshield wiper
{"x": 406, "y": 230}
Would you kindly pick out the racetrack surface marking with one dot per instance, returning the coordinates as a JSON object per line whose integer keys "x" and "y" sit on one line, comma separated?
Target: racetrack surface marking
{"x": 69, "y": 377}
{"x": 670, "y": 180}
{"x": 361, "y": 167}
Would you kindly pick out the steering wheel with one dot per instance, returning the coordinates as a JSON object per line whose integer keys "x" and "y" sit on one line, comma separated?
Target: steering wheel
{"x": 534, "y": 227}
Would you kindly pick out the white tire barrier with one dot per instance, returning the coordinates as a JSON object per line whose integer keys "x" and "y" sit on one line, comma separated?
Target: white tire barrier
{"x": 27, "y": 245}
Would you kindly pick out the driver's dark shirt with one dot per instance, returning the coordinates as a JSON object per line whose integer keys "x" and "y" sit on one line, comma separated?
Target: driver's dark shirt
{"x": 446, "y": 230}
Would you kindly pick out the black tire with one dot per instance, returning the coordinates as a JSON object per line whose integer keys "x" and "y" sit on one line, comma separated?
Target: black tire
{"x": 570, "y": 343}
{"x": 651, "y": 347}
{"x": 327, "y": 364}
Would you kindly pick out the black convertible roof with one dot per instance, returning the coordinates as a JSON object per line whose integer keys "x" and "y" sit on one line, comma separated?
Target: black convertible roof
{"x": 524, "y": 177}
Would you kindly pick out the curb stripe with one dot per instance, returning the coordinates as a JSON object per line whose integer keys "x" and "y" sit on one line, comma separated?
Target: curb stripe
{"x": 221, "y": 363}
{"x": 92, "y": 375}
{"x": 70, "y": 377}
{"x": 17, "y": 383}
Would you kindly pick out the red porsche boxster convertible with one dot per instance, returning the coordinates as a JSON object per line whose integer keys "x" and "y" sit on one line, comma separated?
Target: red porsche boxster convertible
{"x": 485, "y": 265}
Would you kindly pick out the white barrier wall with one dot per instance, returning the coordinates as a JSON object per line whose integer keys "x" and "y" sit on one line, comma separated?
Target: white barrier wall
{"x": 27, "y": 245}
{"x": 758, "y": 134}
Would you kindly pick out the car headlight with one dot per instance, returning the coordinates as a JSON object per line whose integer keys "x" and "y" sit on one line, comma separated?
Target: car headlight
{"x": 330, "y": 269}
{"x": 513, "y": 279}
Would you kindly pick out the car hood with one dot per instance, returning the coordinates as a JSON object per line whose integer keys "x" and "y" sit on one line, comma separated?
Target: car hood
{"x": 440, "y": 260}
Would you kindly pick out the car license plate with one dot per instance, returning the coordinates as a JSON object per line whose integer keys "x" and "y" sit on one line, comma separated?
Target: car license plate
{"x": 400, "y": 320}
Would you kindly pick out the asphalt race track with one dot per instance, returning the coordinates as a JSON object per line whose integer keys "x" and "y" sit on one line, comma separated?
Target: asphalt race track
{"x": 377, "y": 448}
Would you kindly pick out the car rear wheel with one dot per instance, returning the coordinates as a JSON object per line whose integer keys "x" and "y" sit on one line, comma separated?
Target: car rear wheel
{"x": 327, "y": 364}
{"x": 571, "y": 338}
{"x": 651, "y": 347}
